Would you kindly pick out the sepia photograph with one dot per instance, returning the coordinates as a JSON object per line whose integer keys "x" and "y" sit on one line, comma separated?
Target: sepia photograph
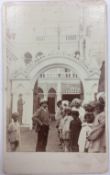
{"x": 55, "y": 77}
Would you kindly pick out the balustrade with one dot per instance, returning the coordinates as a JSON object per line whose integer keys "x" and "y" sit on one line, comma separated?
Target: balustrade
{"x": 58, "y": 76}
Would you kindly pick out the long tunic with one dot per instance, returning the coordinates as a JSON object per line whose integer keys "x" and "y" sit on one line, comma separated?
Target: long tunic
{"x": 85, "y": 131}
{"x": 75, "y": 127}
{"x": 99, "y": 145}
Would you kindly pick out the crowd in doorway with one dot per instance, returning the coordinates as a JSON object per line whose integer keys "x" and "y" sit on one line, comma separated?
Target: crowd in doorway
{"x": 81, "y": 128}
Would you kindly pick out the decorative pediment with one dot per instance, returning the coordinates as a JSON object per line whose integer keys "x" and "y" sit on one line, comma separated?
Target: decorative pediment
{"x": 94, "y": 75}
{"x": 19, "y": 75}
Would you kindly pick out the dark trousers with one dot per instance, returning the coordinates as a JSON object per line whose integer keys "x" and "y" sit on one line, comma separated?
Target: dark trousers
{"x": 42, "y": 138}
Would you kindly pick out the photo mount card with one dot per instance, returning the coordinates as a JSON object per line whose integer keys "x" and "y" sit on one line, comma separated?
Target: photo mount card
{"x": 55, "y": 87}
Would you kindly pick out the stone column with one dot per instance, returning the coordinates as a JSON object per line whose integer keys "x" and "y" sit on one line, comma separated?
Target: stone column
{"x": 28, "y": 109}
{"x": 89, "y": 90}
{"x": 14, "y": 101}
{"x": 59, "y": 93}
{"x": 46, "y": 96}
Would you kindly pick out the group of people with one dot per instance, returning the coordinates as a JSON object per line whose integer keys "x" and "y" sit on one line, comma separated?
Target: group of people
{"x": 81, "y": 128}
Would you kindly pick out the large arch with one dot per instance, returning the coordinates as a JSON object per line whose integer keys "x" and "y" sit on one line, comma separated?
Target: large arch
{"x": 54, "y": 62}
{"x": 52, "y": 91}
{"x": 58, "y": 61}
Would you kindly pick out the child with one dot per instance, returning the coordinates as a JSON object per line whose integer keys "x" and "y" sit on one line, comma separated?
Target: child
{"x": 58, "y": 115}
{"x": 60, "y": 128}
{"x": 66, "y": 128}
{"x": 75, "y": 127}
{"x": 76, "y": 105}
{"x": 85, "y": 131}
{"x": 61, "y": 122}
{"x": 14, "y": 132}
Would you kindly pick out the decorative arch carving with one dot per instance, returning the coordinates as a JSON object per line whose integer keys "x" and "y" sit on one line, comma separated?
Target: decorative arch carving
{"x": 55, "y": 62}
{"x": 50, "y": 60}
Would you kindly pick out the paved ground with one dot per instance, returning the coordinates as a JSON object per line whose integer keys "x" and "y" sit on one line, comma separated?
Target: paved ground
{"x": 29, "y": 138}
{"x": 53, "y": 141}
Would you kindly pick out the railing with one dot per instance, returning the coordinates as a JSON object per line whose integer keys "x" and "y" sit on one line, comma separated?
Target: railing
{"x": 59, "y": 76}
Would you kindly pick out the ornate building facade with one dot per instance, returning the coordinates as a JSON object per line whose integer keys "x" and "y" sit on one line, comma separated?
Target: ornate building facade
{"x": 59, "y": 86}
{"x": 59, "y": 55}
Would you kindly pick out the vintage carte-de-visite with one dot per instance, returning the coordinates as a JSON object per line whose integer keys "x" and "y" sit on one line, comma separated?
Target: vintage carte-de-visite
{"x": 55, "y": 87}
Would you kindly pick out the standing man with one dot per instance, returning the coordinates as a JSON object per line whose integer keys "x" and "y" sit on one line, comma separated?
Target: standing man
{"x": 20, "y": 104}
{"x": 75, "y": 128}
{"x": 41, "y": 119}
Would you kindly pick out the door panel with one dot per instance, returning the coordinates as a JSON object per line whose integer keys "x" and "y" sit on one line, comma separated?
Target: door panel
{"x": 70, "y": 97}
{"x": 51, "y": 106}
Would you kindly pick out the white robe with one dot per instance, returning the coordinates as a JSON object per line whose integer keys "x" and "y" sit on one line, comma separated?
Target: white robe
{"x": 82, "y": 141}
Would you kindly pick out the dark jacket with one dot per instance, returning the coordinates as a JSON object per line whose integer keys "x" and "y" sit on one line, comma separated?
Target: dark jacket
{"x": 41, "y": 117}
{"x": 75, "y": 127}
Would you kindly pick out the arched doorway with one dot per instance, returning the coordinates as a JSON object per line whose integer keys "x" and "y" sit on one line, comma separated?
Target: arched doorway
{"x": 52, "y": 102}
{"x": 37, "y": 96}
{"x": 58, "y": 83}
